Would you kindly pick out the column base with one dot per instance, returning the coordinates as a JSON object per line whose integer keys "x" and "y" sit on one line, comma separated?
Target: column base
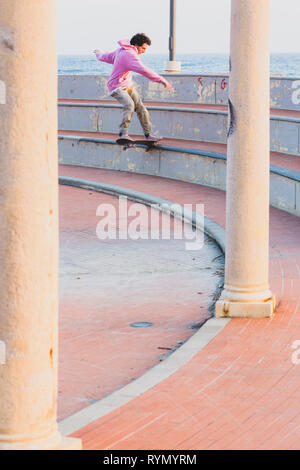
{"x": 70, "y": 443}
{"x": 64, "y": 443}
{"x": 245, "y": 309}
{"x": 172, "y": 66}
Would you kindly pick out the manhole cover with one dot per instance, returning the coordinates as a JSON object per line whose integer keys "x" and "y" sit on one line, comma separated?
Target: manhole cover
{"x": 141, "y": 324}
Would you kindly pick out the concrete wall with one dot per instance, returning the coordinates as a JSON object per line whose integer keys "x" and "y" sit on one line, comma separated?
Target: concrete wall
{"x": 285, "y": 135}
{"x": 193, "y": 166}
{"x": 285, "y": 190}
{"x": 186, "y": 123}
{"x": 171, "y": 122}
{"x": 209, "y": 126}
{"x": 188, "y": 88}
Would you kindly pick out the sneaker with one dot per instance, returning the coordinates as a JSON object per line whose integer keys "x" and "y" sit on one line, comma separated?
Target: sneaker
{"x": 125, "y": 136}
{"x": 154, "y": 138}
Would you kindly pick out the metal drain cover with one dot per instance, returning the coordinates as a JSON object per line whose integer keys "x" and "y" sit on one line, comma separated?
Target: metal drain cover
{"x": 141, "y": 324}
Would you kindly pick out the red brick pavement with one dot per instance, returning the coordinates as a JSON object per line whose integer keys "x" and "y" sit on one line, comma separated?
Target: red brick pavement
{"x": 241, "y": 390}
{"x": 107, "y": 285}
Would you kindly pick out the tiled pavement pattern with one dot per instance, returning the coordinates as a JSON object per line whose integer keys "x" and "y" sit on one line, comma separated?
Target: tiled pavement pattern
{"x": 107, "y": 285}
{"x": 241, "y": 390}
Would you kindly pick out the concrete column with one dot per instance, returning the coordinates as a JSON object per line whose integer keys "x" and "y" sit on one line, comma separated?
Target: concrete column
{"x": 29, "y": 227}
{"x": 246, "y": 291}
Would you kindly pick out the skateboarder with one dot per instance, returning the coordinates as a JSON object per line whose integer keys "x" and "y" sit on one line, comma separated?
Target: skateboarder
{"x": 120, "y": 86}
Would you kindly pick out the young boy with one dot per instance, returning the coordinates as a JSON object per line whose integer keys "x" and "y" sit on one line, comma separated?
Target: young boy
{"x": 120, "y": 86}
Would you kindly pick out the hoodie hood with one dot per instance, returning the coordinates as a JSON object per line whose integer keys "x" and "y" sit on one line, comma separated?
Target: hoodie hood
{"x": 125, "y": 44}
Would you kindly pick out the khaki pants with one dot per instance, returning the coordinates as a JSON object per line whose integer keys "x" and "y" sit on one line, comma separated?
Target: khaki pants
{"x": 131, "y": 102}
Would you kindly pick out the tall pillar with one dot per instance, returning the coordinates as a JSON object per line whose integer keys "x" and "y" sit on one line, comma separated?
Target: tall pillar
{"x": 246, "y": 290}
{"x": 29, "y": 227}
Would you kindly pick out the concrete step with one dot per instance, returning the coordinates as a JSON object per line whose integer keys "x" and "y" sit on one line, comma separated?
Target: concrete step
{"x": 219, "y": 107}
{"x": 176, "y": 122}
{"x": 290, "y": 162}
{"x": 198, "y": 165}
{"x": 191, "y": 123}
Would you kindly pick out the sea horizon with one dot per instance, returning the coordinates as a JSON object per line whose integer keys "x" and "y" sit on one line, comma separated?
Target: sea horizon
{"x": 283, "y": 64}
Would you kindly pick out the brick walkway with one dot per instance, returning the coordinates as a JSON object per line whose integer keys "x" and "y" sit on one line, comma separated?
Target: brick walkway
{"x": 241, "y": 390}
{"x": 107, "y": 285}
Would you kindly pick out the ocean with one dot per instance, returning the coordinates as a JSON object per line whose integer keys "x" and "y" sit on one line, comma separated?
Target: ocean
{"x": 287, "y": 65}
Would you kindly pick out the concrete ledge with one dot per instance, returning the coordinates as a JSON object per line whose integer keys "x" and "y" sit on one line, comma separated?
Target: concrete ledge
{"x": 284, "y": 134}
{"x": 175, "y": 122}
{"x": 210, "y": 228}
{"x": 185, "y": 123}
{"x": 199, "y": 88}
{"x": 285, "y": 172}
{"x": 285, "y": 190}
{"x": 205, "y": 168}
{"x": 185, "y": 164}
{"x": 156, "y": 107}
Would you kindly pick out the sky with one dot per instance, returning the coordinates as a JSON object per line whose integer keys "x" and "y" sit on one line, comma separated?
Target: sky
{"x": 203, "y": 26}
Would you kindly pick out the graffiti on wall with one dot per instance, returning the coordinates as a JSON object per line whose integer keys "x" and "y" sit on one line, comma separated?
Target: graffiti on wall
{"x": 296, "y": 93}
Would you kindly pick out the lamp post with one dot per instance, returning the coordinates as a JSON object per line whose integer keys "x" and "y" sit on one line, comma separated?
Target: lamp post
{"x": 172, "y": 65}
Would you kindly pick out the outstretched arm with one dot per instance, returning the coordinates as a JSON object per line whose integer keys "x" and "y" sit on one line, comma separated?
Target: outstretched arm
{"x": 108, "y": 57}
{"x": 137, "y": 66}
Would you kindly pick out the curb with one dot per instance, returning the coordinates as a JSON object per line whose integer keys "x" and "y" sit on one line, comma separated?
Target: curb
{"x": 287, "y": 173}
{"x": 210, "y": 228}
{"x": 178, "y": 358}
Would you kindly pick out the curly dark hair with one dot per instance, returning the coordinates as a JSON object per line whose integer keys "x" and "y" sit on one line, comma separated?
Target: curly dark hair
{"x": 140, "y": 39}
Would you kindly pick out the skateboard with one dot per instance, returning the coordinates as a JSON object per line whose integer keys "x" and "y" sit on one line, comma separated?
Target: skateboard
{"x": 129, "y": 144}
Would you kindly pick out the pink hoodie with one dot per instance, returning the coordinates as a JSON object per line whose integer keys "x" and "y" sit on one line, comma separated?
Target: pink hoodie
{"x": 126, "y": 59}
